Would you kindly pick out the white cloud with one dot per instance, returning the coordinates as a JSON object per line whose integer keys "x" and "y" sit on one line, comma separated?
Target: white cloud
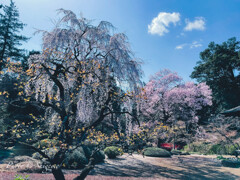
{"x": 181, "y": 35}
{"x": 181, "y": 46}
{"x": 198, "y": 24}
{"x": 194, "y": 44}
{"x": 160, "y": 23}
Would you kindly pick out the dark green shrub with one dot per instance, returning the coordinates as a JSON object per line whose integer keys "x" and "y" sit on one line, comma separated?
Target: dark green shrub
{"x": 156, "y": 152}
{"x": 21, "y": 150}
{"x": 76, "y": 160}
{"x": 112, "y": 151}
{"x": 4, "y": 153}
{"x": 99, "y": 157}
{"x": 231, "y": 150}
{"x": 204, "y": 148}
{"x": 234, "y": 163}
{"x": 216, "y": 149}
{"x": 80, "y": 156}
{"x": 87, "y": 151}
{"x": 220, "y": 157}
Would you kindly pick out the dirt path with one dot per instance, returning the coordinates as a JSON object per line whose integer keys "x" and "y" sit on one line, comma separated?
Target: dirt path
{"x": 177, "y": 167}
{"x": 136, "y": 167}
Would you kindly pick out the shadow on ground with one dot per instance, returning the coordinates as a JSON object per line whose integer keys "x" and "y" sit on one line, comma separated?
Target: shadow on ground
{"x": 185, "y": 168}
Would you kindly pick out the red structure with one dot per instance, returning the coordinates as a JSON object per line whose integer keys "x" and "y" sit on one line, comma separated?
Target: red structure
{"x": 169, "y": 146}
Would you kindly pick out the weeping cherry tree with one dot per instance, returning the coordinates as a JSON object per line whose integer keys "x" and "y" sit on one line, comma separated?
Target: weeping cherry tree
{"x": 74, "y": 80}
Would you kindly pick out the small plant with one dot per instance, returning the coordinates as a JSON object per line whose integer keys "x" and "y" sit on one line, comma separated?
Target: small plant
{"x": 112, "y": 152}
{"x": 220, "y": 157}
{"x": 176, "y": 152}
{"x": 20, "y": 177}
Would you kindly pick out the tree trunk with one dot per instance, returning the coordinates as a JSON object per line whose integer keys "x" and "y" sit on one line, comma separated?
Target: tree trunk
{"x": 86, "y": 170}
{"x": 159, "y": 142}
{"x": 174, "y": 141}
{"x": 58, "y": 174}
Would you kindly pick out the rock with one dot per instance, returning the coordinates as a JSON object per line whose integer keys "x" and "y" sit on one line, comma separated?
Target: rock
{"x": 22, "y": 164}
{"x": 17, "y": 159}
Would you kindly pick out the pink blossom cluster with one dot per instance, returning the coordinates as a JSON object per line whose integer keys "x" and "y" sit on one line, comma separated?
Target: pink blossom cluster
{"x": 169, "y": 99}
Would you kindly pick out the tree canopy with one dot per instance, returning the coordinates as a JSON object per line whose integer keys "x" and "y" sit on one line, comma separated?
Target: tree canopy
{"x": 10, "y": 40}
{"x": 219, "y": 68}
{"x": 168, "y": 99}
{"x": 76, "y": 80}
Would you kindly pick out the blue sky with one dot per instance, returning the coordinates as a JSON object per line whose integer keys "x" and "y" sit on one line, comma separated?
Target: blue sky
{"x": 163, "y": 33}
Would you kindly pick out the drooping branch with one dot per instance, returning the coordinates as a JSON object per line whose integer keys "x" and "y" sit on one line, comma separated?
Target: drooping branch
{"x": 54, "y": 107}
{"x": 123, "y": 112}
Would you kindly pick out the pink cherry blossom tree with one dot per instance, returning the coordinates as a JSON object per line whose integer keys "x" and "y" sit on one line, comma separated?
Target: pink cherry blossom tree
{"x": 156, "y": 106}
{"x": 168, "y": 99}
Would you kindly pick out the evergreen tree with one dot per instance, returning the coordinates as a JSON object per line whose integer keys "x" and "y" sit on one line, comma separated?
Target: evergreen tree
{"x": 219, "y": 68}
{"x": 10, "y": 40}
